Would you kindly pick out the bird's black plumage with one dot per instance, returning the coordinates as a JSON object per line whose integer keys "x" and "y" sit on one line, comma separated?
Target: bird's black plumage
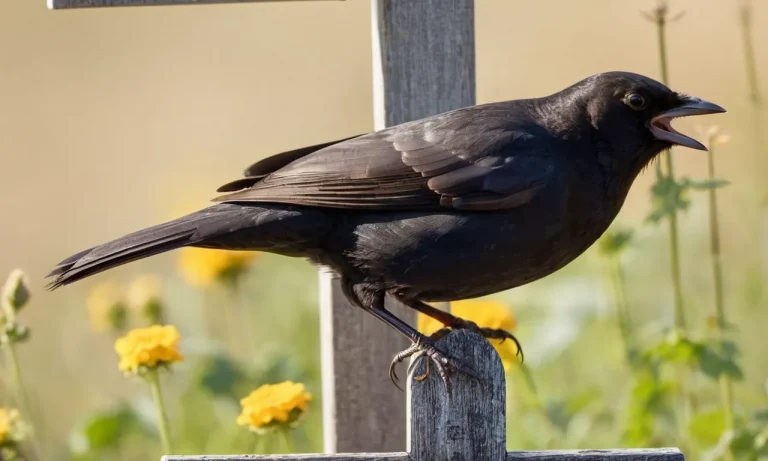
{"x": 454, "y": 206}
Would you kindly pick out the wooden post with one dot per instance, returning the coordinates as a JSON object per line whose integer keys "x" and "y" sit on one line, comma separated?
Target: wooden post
{"x": 468, "y": 425}
{"x": 423, "y": 64}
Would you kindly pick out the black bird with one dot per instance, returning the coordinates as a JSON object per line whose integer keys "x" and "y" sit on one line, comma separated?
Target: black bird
{"x": 454, "y": 206}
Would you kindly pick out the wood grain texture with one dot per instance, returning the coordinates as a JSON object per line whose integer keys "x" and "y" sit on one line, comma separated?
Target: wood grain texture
{"x": 425, "y": 59}
{"x": 424, "y": 64}
{"x": 632, "y": 454}
{"x": 469, "y": 424}
{"x": 652, "y": 454}
{"x": 338, "y": 457}
{"x": 362, "y": 410}
{"x": 66, "y": 4}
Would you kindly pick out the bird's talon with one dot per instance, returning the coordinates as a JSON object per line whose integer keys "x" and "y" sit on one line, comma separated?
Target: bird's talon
{"x": 425, "y": 375}
{"x": 444, "y": 364}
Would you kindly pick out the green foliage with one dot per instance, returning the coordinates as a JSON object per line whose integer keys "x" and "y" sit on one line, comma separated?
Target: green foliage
{"x": 105, "y": 433}
{"x": 649, "y": 409}
{"x": 707, "y": 427}
{"x": 713, "y": 358}
{"x": 670, "y": 195}
{"x": 615, "y": 241}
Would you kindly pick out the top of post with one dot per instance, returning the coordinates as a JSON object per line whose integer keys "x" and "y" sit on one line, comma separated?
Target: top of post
{"x": 469, "y": 424}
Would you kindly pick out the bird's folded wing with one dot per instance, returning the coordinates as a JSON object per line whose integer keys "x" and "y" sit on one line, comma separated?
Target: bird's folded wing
{"x": 459, "y": 160}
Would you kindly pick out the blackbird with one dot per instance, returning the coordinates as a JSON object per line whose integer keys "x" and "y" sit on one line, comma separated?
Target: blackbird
{"x": 458, "y": 205}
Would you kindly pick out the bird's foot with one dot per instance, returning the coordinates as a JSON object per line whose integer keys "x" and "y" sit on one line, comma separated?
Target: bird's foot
{"x": 488, "y": 333}
{"x": 444, "y": 363}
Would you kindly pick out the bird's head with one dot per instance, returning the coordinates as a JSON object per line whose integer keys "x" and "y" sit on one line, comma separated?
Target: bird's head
{"x": 633, "y": 114}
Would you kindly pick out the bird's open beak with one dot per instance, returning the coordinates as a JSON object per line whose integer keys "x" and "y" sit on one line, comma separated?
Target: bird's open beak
{"x": 661, "y": 125}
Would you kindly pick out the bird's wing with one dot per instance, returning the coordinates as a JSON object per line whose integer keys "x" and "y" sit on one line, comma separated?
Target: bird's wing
{"x": 470, "y": 159}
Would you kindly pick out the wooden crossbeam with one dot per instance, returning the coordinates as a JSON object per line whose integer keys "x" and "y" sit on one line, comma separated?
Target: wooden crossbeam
{"x": 645, "y": 454}
{"x": 67, "y": 4}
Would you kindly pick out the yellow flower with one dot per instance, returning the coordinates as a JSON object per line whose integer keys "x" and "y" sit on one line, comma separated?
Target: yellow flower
{"x": 106, "y": 307}
{"x": 274, "y": 405}
{"x": 144, "y": 296}
{"x": 8, "y": 420}
{"x": 148, "y": 348}
{"x": 485, "y": 313}
{"x": 203, "y": 266}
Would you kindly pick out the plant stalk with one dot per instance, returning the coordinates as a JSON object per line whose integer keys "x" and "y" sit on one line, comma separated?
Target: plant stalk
{"x": 674, "y": 233}
{"x": 289, "y": 446}
{"x": 674, "y": 237}
{"x": 21, "y": 395}
{"x": 616, "y": 278}
{"x": 749, "y": 52}
{"x": 153, "y": 378}
{"x": 726, "y": 385}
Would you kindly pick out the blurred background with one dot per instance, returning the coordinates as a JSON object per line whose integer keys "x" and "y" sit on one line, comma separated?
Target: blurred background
{"x": 114, "y": 119}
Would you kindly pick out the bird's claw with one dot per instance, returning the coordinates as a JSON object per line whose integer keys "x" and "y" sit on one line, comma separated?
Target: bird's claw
{"x": 489, "y": 333}
{"x": 444, "y": 364}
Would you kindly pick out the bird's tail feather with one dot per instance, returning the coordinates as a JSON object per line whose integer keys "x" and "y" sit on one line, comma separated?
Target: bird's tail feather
{"x": 138, "y": 245}
{"x": 277, "y": 228}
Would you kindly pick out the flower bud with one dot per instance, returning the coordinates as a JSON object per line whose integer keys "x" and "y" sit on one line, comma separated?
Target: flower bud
{"x": 15, "y": 292}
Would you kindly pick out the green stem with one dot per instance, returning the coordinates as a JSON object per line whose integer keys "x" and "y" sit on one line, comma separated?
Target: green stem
{"x": 749, "y": 52}
{"x": 537, "y": 402}
{"x": 616, "y": 278}
{"x": 21, "y": 394}
{"x": 288, "y": 441}
{"x": 153, "y": 378}
{"x": 726, "y": 386}
{"x": 674, "y": 233}
{"x": 674, "y": 239}
{"x": 245, "y": 323}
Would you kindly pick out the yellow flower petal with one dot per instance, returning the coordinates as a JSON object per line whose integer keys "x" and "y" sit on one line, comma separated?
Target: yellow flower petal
{"x": 281, "y": 403}
{"x": 148, "y": 347}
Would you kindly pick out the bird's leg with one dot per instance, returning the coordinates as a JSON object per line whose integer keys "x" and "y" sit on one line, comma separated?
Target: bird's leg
{"x": 457, "y": 323}
{"x": 444, "y": 364}
{"x": 374, "y": 303}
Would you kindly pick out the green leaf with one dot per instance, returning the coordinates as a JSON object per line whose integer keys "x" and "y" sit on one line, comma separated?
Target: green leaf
{"x": 675, "y": 348}
{"x": 743, "y": 442}
{"x": 613, "y": 242}
{"x": 707, "y": 427}
{"x": 706, "y": 184}
{"x": 718, "y": 358}
{"x": 108, "y": 429}
{"x": 668, "y": 198}
{"x": 220, "y": 375}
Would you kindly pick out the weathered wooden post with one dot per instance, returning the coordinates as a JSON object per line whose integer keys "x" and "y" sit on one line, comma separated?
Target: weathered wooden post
{"x": 423, "y": 64}
{"x": 468, "y": 425}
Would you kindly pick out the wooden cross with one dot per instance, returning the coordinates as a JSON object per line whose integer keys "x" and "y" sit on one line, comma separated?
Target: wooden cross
{"x": 424, "y": 64}
{"x": 467, "y": 425}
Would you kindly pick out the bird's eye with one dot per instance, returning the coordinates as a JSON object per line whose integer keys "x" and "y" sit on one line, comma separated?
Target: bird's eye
{"x": 635, "y": 101}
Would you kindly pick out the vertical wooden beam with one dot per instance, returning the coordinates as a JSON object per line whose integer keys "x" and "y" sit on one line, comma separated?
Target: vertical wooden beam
{"x": 424, "y": 64}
